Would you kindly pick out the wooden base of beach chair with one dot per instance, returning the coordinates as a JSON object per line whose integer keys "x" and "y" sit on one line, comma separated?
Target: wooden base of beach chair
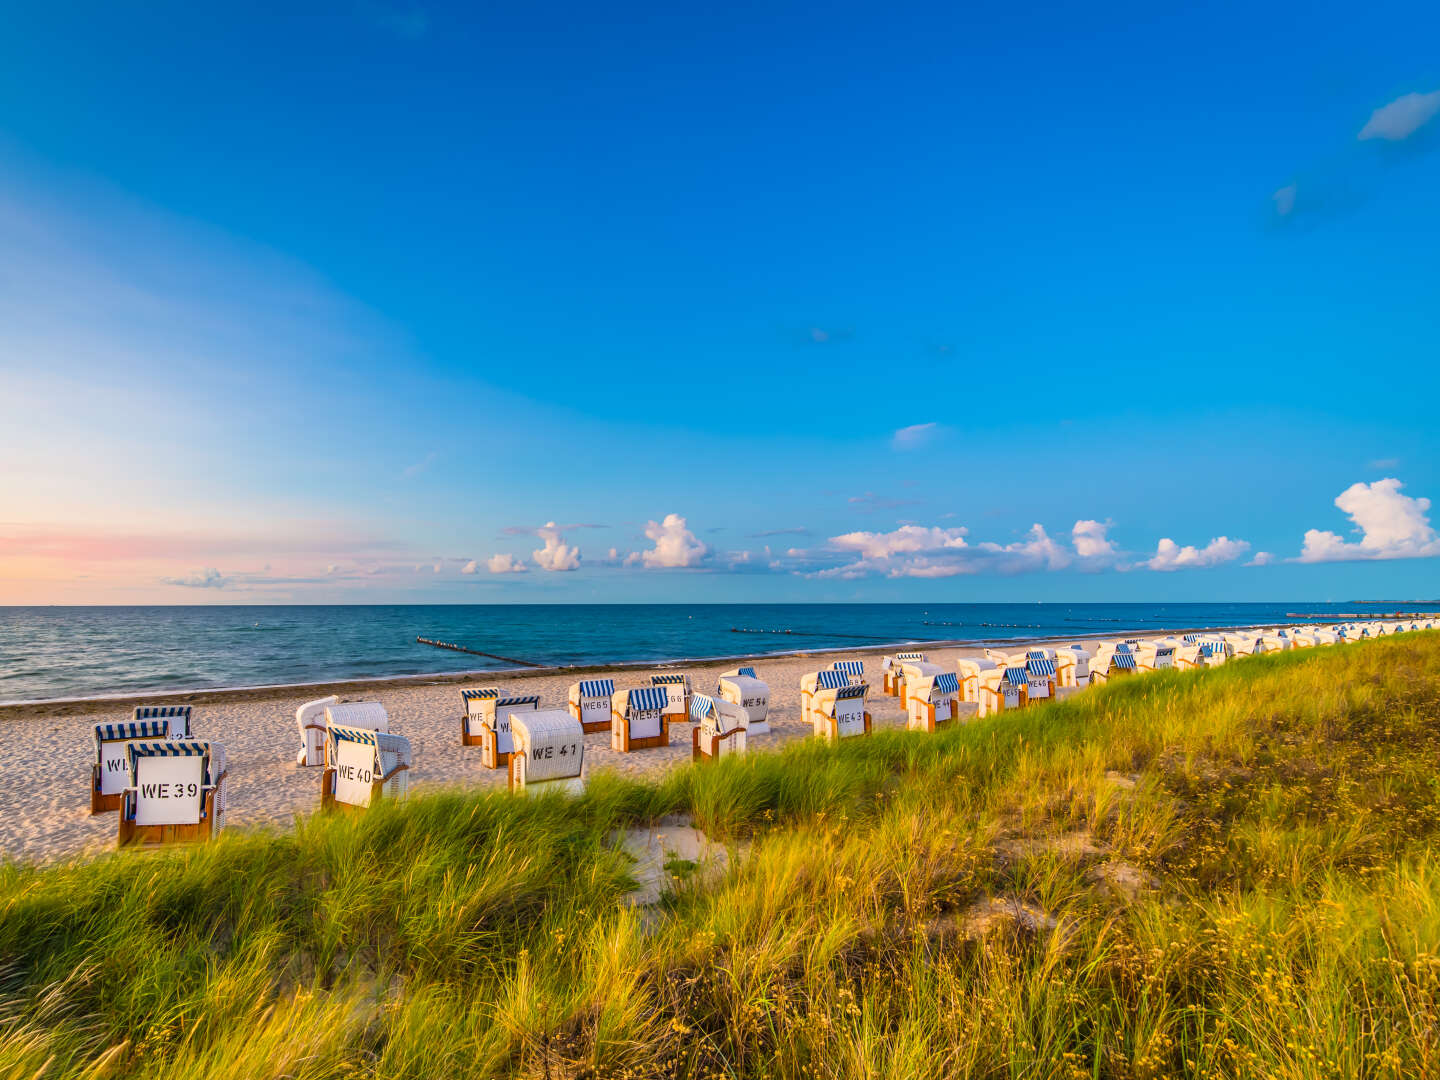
{"x": 594, "y": 727}
{"x": 102, "y": 804}
{"x": 327, "y": 794}
{"x": 466, "y": 739}
{"x": 621, "y": 735}
{"x": 155, "y": 835}
{"x": 929, "y": 722}
{"x": 697, "y": 751}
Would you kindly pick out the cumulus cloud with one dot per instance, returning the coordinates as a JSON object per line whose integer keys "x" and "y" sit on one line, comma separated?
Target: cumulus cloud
{"x": 1401, "y": 118}
{"x": 1171, "y": 556}
{"x": 1036, "y": 552}
{"x": 502, "y": 564}
{"x": 914, "y": 436}
{"x": 556, "y": 554}
{"x": 908, "y": 539}
{"x": 675, "y": 545}
{"x": 469, "y": 568}
{"x": 1090, "y": 540}
{"x": 931, "y": 552}
{"x": 209, "y": 578}
{"x": 1391, "y": 526}
{"x": 1262, "y": 558}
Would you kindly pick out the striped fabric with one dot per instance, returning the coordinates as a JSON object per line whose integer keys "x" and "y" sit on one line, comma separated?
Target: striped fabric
{"x": 1035, "y": 654}
{"x": 701, "y": 706}
{"x": 530, "y": 699}
{"x": 1213, "y": 648}
{"x": 1041, "y": 666}
{"x": 845, "y": 693}
{"x": 1015, "y": 676}
{"x": 164, "y": 712}
{"x": 850, "y": 667}
{"x": 352, "y": 734}
{"x": 903, "y": 656}
{"x": 668, "y": 680}
{"x": 145, "y": 729}
{"x": 947, "y": 682}
{"x": 167, "y": 748}
{"x": 591, "y": 688}
{"x": 394, "y": 751}
{"x": 748, "y": 672}
{"x": 1124, "y": 661}
{"x": 830, "y": 680}
{"x": 646, "y": 698}
{"x": 484, "y": 693}
{"x": 1164, "y": 650}
{"x": 1124, "y": 647}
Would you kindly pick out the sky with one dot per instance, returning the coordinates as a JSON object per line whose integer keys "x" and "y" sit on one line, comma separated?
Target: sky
{"x": 403, "y": 303}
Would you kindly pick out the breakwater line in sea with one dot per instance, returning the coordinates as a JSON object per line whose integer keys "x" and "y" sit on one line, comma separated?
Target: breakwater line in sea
{"x": 475, "y": 652}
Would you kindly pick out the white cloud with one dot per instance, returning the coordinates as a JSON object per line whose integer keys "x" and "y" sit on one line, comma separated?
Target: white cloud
{"x": 209, "y": 578}
{"x": 914, "y": 436}
{"x": 931, "y": 552}
{"x": 1171, "y": 556}
{"x": 1262, "y": 558}
{"x": 1403, "y": 117}
{"x": 556, "y": 554}
{"x": 1284, "y": 200}
{"x": 1036, "y": 552}
{"x": 1391, "y": 526}
{"x": 675, "y": 545}
{"x": 907, "y": 539}
{"x": 469, "y": 568}
{"x": 1090, "y": 540}
{"x": 501, "y": 564}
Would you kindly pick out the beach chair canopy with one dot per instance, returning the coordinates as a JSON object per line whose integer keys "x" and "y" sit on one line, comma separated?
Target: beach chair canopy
{"x": 830, "y": 679}
{"x": 177, "y": 715}
{"x": 358, "y": 714}
{"x": 596, "y": 688}
{"x": 646, "y": 698}
{"x": 1123, "y": 661}
{"x": 128, "y": 730}
{"x": 669, "y": 680}
{"x": 854, "y": 668}
{"x": 1042, "y": 667}
{"x": 1016, "y": 676}
{"x": 473, "y": 699}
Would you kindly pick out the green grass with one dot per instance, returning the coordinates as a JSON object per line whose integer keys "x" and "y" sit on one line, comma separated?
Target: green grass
{"x": 1285, "y": 807}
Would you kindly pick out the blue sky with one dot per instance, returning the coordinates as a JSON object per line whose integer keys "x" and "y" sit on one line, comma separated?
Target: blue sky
{"x": 773, "y": 302}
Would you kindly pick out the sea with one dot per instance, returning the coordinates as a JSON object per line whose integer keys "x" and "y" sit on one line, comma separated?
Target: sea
{"x": 53, "y": 653}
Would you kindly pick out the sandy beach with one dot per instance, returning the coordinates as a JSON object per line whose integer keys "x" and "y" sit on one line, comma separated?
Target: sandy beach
{"x": 44, "y": 800}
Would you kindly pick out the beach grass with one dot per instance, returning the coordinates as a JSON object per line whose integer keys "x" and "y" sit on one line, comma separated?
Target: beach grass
{"x": 1221, "y": 873}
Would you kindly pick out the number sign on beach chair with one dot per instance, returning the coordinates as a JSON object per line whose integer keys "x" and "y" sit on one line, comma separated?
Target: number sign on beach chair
{"x": 310, "y": 720}
{"x": 677, "y": 696}
{"x": 1039, "y": 678}
{"x": 637, "y": 719}
{"x": 177, "y": 715}
{"x": 933, "y": 701}
{"x": 972, "y": 670}
{"x": 362, "y": 767}
{"x": 839, "y": 712}
{"x": 175, "y": 791}
{"x": 549, "y": 752}
{"x": 1072, "y": 666}
{"x": 1003, "y": 688}
{"x": 497, "y": 740}
{"x": 816, "y": 681}
{"x": 743, "y": 688}
{"x": 111, "y": 772}
{"x": 590, "y": 703}
{"x": 720, "y": 729}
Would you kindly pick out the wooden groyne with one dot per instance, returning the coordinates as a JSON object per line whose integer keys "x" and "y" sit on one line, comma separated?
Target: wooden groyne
{"x": 475, "y": 652}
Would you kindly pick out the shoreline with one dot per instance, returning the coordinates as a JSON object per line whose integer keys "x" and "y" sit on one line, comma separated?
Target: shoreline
{"x": 72, "y": 706}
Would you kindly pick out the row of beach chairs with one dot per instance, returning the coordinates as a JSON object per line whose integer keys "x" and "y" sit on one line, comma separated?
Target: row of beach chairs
{"x": 166, "y": 784}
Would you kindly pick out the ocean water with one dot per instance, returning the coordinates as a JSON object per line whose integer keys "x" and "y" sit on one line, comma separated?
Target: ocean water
{"x": 59, "y": 652}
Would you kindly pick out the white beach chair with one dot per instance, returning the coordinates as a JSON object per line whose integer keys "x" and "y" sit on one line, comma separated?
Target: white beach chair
{"x": 1072, "y": 666}
{"x": 1155, "y": 656}
{"x": 677, "y": 696}
{"x": 912, "y": 671}
{"x": 637, "y": 719}
{"x": 111, "y": 771}
{"x": 363, "y": 766}
{"x": 175, "y": 791}
{"x": 1003, "y": 688}
{"x": 310, "y": 721}
{"x": 839, "y": 712}
{"x": 589, "y": 702}
{"x": 720, "y": 729}
{"x": 1109, "y": 665}
{"x": 933, "y": 701}
{"x": 816, "y": 681}
{"x": 549, "y": 752}
{"x": 971, "y": 670}
{"x": 891, "y": 673}
{"x": 495, "y": 728}
{"x": 745, "y": 690}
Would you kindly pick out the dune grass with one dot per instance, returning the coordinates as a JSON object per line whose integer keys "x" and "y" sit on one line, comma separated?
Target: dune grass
{"x": 1222, "y": 873}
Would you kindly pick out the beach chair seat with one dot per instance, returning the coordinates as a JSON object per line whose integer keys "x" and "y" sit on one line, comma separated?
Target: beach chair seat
{"x": 637, "y": 719}
{"x": 1002, "y": 689}
{"x": 744, "y": 689}
{"x": 363, "y": 766}
{"x": 310, "y": 721}
{"x": 677, "y": 696}
{"x": 815, "y": 681}
{"x": 933, "y": 701}
{"x": 549, "y": 752}
{"x": 589, "y": 702}
{"x": 720, "y": 728}
{"x": 839, "y": 712}
{"x": 110, "y": 773}
{"x": 970, "y": 671}
{"x": 175, "y": 792}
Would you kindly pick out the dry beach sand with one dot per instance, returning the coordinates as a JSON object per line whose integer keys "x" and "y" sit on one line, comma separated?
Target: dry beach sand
{"x": 45, "y": 772}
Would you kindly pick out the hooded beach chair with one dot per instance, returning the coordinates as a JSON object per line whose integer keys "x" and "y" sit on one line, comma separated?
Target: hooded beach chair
{"x": 1109, "y": 665}
{"x": 363, "y": 766}
{"x": 912, "y": 671}
{"x": 1214, "y": 653}
{"x": 720, "y": 728}
{"x": 813, "y": 683}
{"x": 549, "y": 752}
{"x": 111, "y": 771}
{"x": 370, "y": 715}
{"x": 477, "y": 704}
{"x": 496, "y": 740}
{"x": 178, "y": 717}
{"x": 839, "y": 712}
{"x": 637, "y": 719}
{"x": 1003, "y": 688}
{"x": 1187, "y": 658}
{"x": 933, "y": 701}
{"x": 175, "y": 791}
{"x": 971, "y": 670}
{"x": 677, "y": 696}
{"x": 310, "y": 720}
{"x": 1072, "y": 666}
{"x": 1039, "y": 678}
{"x": 1155, "y": 656}
{"x": 893, "y": 678}
{"x": 590, "y": 703}
{"x": 745, "y": 690}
